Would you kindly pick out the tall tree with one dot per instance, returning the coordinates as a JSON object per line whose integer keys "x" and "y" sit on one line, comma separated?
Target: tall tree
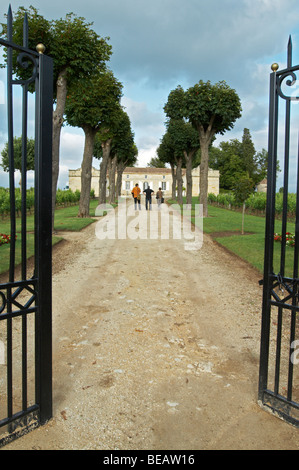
{"x": 166, "y": 153}
{"x": 93, "y": 103}
{"x": 128, "y": 158}
{"x": 242, "y": 190}
{"x": 211, "y": 109}
{"x": 110, "y": 134}
{"x": 76, "y": 51}
{"x": 236, "y": 159}
{"x": 248, "y": 153}
{"x": 186, "y": 143}
{"x": 122, "y": 148}
{"x": 17, "y": 146}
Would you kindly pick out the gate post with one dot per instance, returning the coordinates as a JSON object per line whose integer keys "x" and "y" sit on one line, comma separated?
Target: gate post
{"x": 43, "y": 233}
{"x": 278, "y": 391}
{"x": 269, "y": 232}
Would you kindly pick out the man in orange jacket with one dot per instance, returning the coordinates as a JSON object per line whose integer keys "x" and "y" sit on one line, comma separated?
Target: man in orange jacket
{"x": 136, "y": 195}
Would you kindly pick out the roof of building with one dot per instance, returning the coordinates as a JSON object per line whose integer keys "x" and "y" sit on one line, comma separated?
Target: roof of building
{"x": 147, "y": 170}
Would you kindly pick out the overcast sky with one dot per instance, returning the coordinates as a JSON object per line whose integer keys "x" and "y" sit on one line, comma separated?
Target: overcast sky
{"x": 160, "y": 44}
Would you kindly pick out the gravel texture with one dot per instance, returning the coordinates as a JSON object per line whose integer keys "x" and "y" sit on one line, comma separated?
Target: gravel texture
{"x": 155, "y": 347}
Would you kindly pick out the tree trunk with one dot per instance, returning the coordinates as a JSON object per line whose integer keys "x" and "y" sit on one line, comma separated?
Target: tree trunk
{"x": 189, "y": 159}
{"x": 204, "y": 173}
{"x": 243, "y": 213}
{"x": 86, "y": 169}
{"x": 112, "y": 172}
{"x": 205, "y": 139}
{"x": 179, "y": 180}
{"x": 120, "y": 169}
{"x": 103, "y": 171}
{"x": 57, "y": 125}
{"x": 173, "y": 173}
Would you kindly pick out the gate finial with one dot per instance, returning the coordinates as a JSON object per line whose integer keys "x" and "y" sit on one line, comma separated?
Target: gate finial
{"x": 274, "y": 67}
{"x": 290, "y": 52}
{"x": 9, "y": 24}
{"x": 40, "y": 48}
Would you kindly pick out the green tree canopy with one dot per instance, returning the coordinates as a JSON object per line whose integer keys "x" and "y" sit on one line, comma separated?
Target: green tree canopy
{"x": 17, "y": 147}
{"x": 71, "y": 42}
{"x": 94, "y": 101}
{"x": 185, "y": 142}
{"x": 237, "y": 159}
{"x": 155, "y": 162}
{"x": 94, "y": 105}
{"x": 76, "y": 51}
{"x": 211, "y": 109}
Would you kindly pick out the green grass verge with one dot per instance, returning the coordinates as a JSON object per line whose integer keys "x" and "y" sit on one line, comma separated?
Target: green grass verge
{"x": 221, "y": 223}
{"x": 65, "y": 219}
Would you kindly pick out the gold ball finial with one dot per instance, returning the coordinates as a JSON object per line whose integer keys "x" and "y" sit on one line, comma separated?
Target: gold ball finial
{"x": 40, "y": 48}
{"x": 274, "y": 67}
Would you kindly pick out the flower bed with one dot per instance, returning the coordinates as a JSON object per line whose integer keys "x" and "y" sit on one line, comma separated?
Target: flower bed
{"x": 4, "y": 238}
{"x": 290, "y": 238}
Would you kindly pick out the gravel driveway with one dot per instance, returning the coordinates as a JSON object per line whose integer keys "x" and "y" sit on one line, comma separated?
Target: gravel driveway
{"x": 155, "y": 347}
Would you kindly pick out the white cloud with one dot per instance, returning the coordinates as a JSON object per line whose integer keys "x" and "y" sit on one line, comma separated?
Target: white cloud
{"x": 160, "y": 44}
{"x": 148, "y": 127}
{"x": 145, "y": 155}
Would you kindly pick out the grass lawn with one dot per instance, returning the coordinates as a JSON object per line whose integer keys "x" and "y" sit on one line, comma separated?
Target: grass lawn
{"x": 221, "y": 223}
{"x": 65, "y": 219}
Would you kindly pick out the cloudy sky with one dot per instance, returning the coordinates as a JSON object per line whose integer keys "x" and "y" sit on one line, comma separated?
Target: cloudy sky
{"x": 160, "y": 44}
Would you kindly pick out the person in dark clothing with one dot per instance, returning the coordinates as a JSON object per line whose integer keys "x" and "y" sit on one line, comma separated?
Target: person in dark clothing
{"x": 148, "y": 198}
{"x": 159, "y": 197}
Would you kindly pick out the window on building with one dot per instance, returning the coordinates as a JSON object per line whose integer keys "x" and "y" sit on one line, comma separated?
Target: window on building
{"x": 128, "y": 176}
{"x": 163, "y": 177}
{"x": 163, "y": 185}
{"x": 145, "y": 176}
{"x": 127, "y": 184}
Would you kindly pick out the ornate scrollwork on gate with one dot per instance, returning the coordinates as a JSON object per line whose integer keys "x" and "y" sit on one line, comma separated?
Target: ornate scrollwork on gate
{"x": 23, "y": 61}
{"x": 291, "y": 82}
{"x": 19, "y": 298}
{"x": 2, "y": 302}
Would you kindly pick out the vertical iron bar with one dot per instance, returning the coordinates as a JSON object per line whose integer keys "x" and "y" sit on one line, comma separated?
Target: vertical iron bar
{"x": 24, "y": 219}
{"x": 269, "y": 235}
{"x": 24, "y": 158}
{"x": 44, "y": 236}
{"x": 11, "y": 149}
{"x": 291, "y": 365}
{"x": 295, "y": 288}
{"x": 12, "y": 213}
{"x": 285, "y": 187}
{"x": 36, "y": 215}
{"x": 278, "y": 351}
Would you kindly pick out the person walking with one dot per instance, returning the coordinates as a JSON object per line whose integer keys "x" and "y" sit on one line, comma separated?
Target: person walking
{"x": 159, "y": 197}
{"x": 148, "y": 198}
{"x": 136, "y": 195}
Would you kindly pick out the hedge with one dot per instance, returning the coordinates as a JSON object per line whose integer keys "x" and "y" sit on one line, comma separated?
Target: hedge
{"x": 63, "y": 198}
{"x": 255, "y": 203}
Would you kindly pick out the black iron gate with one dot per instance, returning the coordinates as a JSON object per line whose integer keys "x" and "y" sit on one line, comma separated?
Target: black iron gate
{"x": 279, "y": 356}
{"x": 26, "y": 293}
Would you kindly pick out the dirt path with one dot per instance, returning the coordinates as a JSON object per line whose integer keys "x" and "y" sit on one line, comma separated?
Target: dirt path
{"x": 155, "y": 347}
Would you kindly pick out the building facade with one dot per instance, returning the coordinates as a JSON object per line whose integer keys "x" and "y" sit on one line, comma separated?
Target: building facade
{"x": 155, "y": 178}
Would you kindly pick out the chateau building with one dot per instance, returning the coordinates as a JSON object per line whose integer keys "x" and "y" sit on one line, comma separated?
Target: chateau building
{"x": 155, "y": 178}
